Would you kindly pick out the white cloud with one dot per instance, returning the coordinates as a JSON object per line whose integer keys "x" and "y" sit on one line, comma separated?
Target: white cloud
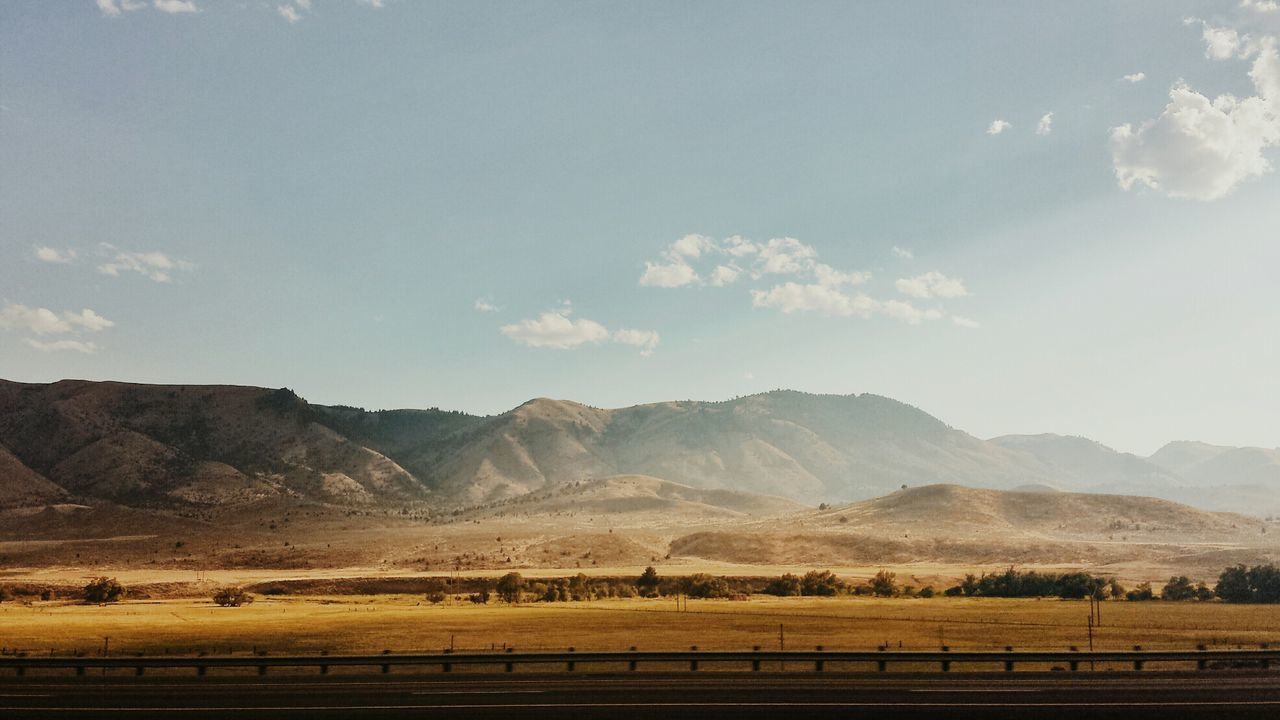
{"x": 1202, "y": 149}
{"x": 54, "y": 255}
{"x": 372, "y": 3}
{"x": 784, "y": 255}
{"x": 304, "y": 4}
{"x": 155, "y": 265}
{"x": 646, "y": 340}
{"x": 1220, "y": 43}
{"x": 830, "y": 277}
{"x": 556, "y": 329}
{"x": 932, "y": 284}
{"x": 175, "y": 6}
{"x": 965, "y": 322}
{"x": 738, "y": 246}
{"x": 43, "y": 321}
{"x": 485, "y": 306}
{"x": 668, "y": 275}
{"x": 289, "y": 12}
{"x": 1261, "y": 6}
{"x": 691, "y": 246}
{"x": 797, "y": 297}
{"x": 725, "y": 274}
{"x": 903, "y": 253}
{"x": 1045, "y": 126}
{"x": 908, "y": 313}
{"x": 998, "y": 126}
{"x": 1135, "y": 77}
{"x": 108, "y": 7}
{"x": 87, "y": 348}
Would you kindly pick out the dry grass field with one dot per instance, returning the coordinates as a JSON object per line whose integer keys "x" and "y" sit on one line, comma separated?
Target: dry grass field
{"x": 371, "y": 624}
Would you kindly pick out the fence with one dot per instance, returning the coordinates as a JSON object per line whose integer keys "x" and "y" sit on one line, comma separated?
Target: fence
{"x": 815, "y": 660}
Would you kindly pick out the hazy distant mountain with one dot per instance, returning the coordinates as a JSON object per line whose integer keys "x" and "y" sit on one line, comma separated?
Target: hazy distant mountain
{"x": 805, "y": 447}
{"x": 1082, "y": 464}
{"x": 210, "y": 446}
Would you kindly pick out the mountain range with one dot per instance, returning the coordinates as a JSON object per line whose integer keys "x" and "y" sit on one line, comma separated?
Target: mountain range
{"x": 192, "y": 447}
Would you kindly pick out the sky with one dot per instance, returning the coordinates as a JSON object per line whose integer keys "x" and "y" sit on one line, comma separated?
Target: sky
{"x": 1019, "y": 217}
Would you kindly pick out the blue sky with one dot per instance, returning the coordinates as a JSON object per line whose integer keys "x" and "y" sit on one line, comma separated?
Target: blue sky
{"x": 465, "y": 205}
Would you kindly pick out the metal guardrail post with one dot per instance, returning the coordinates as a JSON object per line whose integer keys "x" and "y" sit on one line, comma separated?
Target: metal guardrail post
{"x": 447, "y": 667}
{"x": 1008, "y": 664}
{"x": 881, "y": 665}
{"x": 510, "y": 665}
{"x": 1137, "y": 664}
{"x": 755, "y": 662}
{"x": 1073, "y": 663}
{"x": 569, "y": 665}
{"x": 693, "y": 664}
{"x": 817, "y": 664}
{"x": 946, "y": 664}
{"x": 1201, "y": 664}
{"x": 631, "y": 664}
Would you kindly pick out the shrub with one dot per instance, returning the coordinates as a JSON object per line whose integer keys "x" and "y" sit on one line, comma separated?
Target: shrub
{"x": 927, "y": 591}
{"x": 702, "y": 585}
{"x": 1140, "y": 593}
{"x": 1178, "y": 588}
{"x": 648, "y": 582}
{"x": 103, "y": 590}
{"x": 510, "y": 586}
{"x": 956, "y": 591}
{"x": 884, "y": 584}
{"x": 479, "y": 598}
{"x": 821, "y": 583}
{"x": 786, "y": 586}
{"x": 232, "y": 596}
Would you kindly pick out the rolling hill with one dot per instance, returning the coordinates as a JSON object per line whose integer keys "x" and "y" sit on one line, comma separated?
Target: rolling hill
{"x": 215, "y": 448}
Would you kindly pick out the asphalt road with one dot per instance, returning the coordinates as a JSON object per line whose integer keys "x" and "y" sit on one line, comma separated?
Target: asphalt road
{"x": 661, "y": 696}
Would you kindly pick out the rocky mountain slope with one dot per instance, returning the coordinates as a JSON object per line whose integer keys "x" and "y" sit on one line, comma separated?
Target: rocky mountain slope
{"x": 217, "y": 447}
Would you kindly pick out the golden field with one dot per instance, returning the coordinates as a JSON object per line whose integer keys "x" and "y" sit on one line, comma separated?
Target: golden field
{"x": 402, "y": 624}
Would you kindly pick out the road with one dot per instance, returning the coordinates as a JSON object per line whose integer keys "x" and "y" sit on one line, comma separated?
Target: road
{"x": 663, "y": 696}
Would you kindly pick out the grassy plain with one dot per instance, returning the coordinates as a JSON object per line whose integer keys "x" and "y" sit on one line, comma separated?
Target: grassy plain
{"x": 371, "y": 624}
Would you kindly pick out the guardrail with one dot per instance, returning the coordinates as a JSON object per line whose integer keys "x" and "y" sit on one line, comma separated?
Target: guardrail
{"x": 816, "y": 659}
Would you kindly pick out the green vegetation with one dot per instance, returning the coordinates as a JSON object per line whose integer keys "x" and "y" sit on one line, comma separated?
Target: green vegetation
{"x": 1258, "y": 584}
{"x": 232, "y": 596}
{"x": 1016, "y": 583}
{"x": 103, "y": 590}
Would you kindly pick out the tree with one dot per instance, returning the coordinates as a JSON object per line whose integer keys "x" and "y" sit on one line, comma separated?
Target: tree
{"x": 785, "y": 586}
{"x": 969, "y": 585}
{"x": 1233, "y": 585}
{"x": 232, "y": 596}
{"x": 821, "y": 583}
{"x": 1265, "y": 581}
{"x": 702, "y": 585}
{"x": 1203, "y": 593}
{"x": 884, "y": 583}
{"x": 509, "y": 587}
{"x": 1178, "y": 588}
{"x": 648, "y": 582}
{"x": 1142, "y": 592}
{"x": 927, "y": 591}
{"x": 103, "y": 590}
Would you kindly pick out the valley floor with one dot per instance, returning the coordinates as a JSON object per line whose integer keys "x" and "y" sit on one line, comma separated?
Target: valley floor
{"x": 403, "y": 623}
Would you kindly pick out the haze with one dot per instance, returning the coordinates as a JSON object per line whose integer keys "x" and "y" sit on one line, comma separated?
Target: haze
{"x": 402, "y": 204}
